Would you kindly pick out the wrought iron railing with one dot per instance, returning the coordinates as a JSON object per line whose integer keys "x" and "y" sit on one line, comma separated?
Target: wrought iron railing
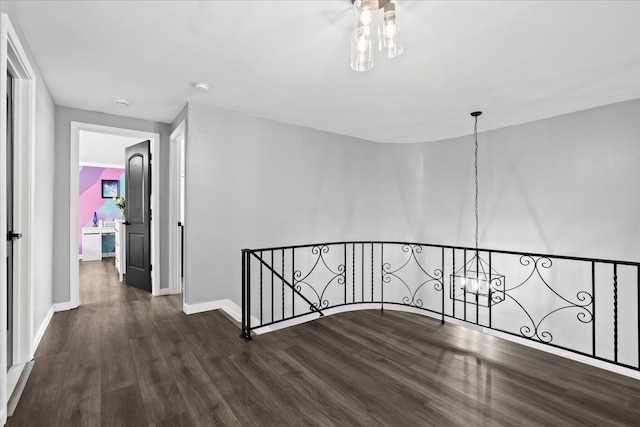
{"x": 583, "y": 305}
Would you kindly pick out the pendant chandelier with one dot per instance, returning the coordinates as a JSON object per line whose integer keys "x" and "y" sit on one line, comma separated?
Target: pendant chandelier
{"x": 375, "y": 25}
{"x": 477, "y": 282}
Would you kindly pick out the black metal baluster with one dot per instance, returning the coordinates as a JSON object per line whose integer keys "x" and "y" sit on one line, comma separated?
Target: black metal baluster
{"x": 293, "y": 281}
{"x": 638, "y": 311}
{"x": 272, "y": 289}
{"x": 372, "y": 272}
{"x": 593, "y": 308}
{"x": 248, "y": 337}
{"x": 490, "y": 302}
{"x": 244, "y": 291}
{"x": 442, "y": 282}
{"x": 362, "y": 278}
{"x": 615, "y": 312}
{"x": 282, "y": 283}
{"x": 453, "y": 280}
{"x": 464, "y": 288}
{"x": 261, "y": 289}
{"x": 353, "y": 272}
{"x": 345, "y": 272}
{"x": 381, "y": 276}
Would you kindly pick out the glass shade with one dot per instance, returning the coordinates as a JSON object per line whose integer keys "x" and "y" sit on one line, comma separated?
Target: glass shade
{"x": 390, "y": 46}
{"x": 361, "y": 51}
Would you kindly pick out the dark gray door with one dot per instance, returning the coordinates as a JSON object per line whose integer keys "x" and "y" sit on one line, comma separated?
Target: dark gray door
{"x": 138, "y": 215}
{"x": 11, "y": 233}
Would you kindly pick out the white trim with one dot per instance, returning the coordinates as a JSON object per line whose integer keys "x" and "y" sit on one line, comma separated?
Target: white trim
{"x": 156, "y": 195}
{"x": 13, "y": 377}
{"x": 13, "y": 56}
{"x": 42, "y": 329}
{"x": 165, "y": 291}
{"x": 63, "y": 306}
{"x": 176, "y": 137}
{"x": 231, "y": 308}
{"x": 101, "y": 165}
{"x": 226, "y": 305}
{"x": 74, "y": 161}
{"x": 563, "y": 353}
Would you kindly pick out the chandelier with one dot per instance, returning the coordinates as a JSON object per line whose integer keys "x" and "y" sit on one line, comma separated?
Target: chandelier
{"x": 477, "y": 282}
{"x": 375, "y": 24}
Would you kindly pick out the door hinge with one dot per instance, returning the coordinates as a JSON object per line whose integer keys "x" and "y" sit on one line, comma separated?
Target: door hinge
{"x": 150, "y": 267}
{"x": 150, "y": 214}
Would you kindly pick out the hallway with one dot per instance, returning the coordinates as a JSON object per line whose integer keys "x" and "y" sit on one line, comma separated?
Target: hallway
{"x": 125, "y": 358}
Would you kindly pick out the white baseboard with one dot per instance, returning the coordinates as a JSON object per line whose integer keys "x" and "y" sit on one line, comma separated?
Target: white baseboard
{"x": 41, "y": 330}
{"x": 64, "y": 306}
{"x": 231, "y": 308}
{"x": 566, "y": 354}
{"x": 165, "y": 291}
{"x": 226, "y": 305}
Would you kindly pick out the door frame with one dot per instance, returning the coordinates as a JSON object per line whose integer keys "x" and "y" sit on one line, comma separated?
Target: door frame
{"x": 179, "y": 134}
{"x": 74, "y": 179}
{"x": 14, "y": 58}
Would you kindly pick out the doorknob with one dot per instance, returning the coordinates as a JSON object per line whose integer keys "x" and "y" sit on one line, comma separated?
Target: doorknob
{"x": 12, "y": 235}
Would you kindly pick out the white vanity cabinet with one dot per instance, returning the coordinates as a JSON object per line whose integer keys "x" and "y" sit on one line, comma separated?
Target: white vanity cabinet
{"x": 91, "y": 244}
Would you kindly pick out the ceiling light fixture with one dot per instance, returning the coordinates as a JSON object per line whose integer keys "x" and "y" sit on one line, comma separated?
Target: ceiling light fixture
{"x": 201, "y": 86}
{"x": 477, "y": 282}
{"x": 123, "y": 102}
{"x": 370, "y": 16}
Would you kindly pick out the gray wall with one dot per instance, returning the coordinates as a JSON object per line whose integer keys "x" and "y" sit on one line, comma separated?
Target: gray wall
{"x": 43, "y": 227}
{"x": 63, "y": 118}
{"x": 563, "y": 185}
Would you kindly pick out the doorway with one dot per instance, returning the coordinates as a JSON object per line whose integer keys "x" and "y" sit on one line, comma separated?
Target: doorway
{"x": 132, "y": 136}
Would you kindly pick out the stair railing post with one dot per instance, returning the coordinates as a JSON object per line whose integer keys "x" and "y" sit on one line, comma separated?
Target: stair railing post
{"x": 246, "y": 296}
{"x": 248, "y": 337}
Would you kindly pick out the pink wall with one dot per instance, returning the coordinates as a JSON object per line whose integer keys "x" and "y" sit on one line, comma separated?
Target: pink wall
{"x": 91, "y": 199}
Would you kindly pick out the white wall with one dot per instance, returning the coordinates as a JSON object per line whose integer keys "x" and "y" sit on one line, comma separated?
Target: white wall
{"x": 45, "y": 193}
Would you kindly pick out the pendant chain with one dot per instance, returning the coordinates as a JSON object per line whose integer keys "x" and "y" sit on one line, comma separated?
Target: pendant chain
{"x": 475, "y": 134}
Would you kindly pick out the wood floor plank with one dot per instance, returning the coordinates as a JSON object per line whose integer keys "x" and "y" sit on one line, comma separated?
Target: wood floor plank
{"x": 159, "y": 390}
{"x": 40, "y": 399}
{"x": 81, "y": 403}
{"x": 179, "y": 420}
{"x": 123, "y": 407}
{"x": 268, "y": 382}
{"x": 203, "y": 399}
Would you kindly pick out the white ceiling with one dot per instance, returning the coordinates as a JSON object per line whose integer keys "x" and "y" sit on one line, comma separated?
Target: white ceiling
{"x": 518, "y": 61}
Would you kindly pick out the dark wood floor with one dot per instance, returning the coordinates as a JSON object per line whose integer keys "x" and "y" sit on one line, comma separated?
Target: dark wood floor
{"x": 125, "y": 358}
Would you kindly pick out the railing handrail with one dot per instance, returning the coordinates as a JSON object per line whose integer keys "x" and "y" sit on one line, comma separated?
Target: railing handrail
{"x": 434, "y": 245}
